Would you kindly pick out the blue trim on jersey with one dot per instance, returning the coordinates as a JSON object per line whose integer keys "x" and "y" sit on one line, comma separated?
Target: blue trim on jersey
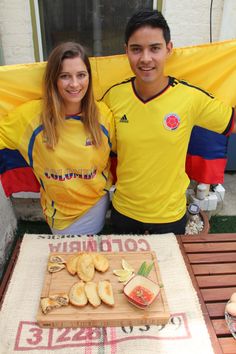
{"x": 31, "y": 144}
{"x": 74, "y": 117}
{"x": 40, "y": 128}
{"x": 33, "y": 137}
{"x": 105, "y": 131}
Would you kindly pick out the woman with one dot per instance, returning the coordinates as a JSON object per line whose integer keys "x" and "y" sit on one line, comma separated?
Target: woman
{"x": 66, "y": 139}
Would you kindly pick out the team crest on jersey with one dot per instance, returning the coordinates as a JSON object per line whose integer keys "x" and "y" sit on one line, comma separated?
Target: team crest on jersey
{"x": 88, "y": 142}
{"x": 171, "y": 121}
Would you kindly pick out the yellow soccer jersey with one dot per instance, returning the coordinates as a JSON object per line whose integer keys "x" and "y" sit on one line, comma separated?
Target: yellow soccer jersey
{"x": 75, "y": 175}
{"x": 152, "y": 141}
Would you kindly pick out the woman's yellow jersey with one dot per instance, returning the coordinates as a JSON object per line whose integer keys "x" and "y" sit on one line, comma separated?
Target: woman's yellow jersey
{"x": 75, "y": 175}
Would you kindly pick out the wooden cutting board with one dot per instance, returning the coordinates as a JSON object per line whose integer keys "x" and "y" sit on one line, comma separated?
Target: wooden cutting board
{"x": 122, "y": 314}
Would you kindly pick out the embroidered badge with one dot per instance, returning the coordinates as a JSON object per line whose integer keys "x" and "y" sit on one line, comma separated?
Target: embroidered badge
{"x": 88, "y": 142}
{"x": 171, "y": 121}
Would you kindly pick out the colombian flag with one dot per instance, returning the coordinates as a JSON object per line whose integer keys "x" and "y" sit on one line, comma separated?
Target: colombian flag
{"x": 209, "y": 66}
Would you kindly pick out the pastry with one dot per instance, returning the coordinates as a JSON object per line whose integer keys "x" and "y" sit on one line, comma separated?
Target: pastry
{"x": 105, "y": 292}
{"x": 101, "y": 262}
{"x": 85, "y": 267}
{"x": 91, "y": 291}
{"x": 77, "y": 295}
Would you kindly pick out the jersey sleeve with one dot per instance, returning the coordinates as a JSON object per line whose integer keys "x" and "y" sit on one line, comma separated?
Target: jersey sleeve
{"x": 213, "y": 114}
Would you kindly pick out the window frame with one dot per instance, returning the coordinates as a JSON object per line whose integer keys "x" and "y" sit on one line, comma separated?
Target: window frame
{"x": 37, "y": 32}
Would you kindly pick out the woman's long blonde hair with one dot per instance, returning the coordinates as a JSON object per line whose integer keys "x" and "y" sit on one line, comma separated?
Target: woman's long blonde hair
{"x": 53, "y": 110}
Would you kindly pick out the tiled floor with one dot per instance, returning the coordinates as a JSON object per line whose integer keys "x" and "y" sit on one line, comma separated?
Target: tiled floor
{"x": 229, "y": 204}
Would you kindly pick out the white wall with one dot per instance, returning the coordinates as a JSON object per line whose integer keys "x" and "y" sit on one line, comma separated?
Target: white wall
{"x": 16, "y": 31}
{"x": 189, "y": 21}
{"x": 228, "y": 23}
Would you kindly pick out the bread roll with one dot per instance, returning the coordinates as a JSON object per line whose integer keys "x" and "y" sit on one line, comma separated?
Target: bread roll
{"x": 77, "y": 295}
{"x": 105, "y": 292}
{"x": 91, "y": 291}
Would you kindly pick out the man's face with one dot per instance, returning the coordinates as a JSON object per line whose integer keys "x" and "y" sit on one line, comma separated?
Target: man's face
{"x": 147, "y": 52}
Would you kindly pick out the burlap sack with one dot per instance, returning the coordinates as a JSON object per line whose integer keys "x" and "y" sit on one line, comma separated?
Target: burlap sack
{"x": 186, "y": 331}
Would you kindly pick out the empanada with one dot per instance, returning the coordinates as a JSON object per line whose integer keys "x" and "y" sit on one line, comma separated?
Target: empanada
{"x": 55, "y": 267}
{"x": 60, "y": 298}
{"x": 105, "y": 292}
{"x": 91, "y": 291}
{"x": 85, "y": 267}
{"x": 77, "y": 294}
{"x": 56, "y": 259}
{"x": 100, "y": 261}
{"x": 48, "y": 305}
{"x": 71, "y": 264}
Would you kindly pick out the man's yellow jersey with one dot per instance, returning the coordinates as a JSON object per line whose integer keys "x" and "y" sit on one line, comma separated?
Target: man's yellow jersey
{"x": 152, "y": 141}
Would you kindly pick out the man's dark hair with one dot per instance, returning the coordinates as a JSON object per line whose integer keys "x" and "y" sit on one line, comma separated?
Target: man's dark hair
{"x": 151, "y": 18}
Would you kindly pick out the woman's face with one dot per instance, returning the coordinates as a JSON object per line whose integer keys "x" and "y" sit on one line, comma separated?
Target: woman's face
{"x": 72, "y": 84}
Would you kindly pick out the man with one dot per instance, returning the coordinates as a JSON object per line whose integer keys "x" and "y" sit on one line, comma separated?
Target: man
{"x": 154, "y": 116}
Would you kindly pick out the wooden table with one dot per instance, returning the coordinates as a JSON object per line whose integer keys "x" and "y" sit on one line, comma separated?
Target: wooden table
{"x": 211, "y": 262}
